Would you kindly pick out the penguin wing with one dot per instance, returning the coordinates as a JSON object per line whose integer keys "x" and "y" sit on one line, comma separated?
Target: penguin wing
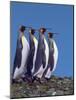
{"x": 55, "y": 55}
{"x": 31, "y": 55}
{"x": 38, "y": 61}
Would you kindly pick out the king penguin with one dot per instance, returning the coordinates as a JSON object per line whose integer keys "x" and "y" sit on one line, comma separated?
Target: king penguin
{"x": 22, "y": 51}
{"x": 42, "y": 55}
{"x": 33, "y": 42}
{"x": 53, "y": 56}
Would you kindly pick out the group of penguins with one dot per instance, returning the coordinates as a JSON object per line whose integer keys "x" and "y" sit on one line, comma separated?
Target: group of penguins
{"x": 35, "y": 59}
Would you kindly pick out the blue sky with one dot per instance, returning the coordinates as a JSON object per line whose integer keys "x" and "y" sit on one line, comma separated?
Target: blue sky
{"x": 58, "y": 17}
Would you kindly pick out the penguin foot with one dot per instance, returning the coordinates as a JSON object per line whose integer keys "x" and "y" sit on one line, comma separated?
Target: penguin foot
{"x": 14, "y": 81}
{"x": 47, "y": 79}
{"x": 20, "y": 81}
{"x": 24, "y": 79}
{"x": 33, "y": 79}
{"x": 39, "y": 80}
{"x": 29, "y": 79}
{"x": 36, "y": 79}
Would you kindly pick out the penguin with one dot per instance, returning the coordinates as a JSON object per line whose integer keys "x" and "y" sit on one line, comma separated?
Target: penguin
{"x": 22, "y": 51}
{"x": 32, "y": 53}
{"x": 53, "y": 56}
{"x": 42, "y": 55}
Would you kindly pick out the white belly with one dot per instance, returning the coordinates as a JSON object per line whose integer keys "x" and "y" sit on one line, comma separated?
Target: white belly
{"x": 55, "y": 55}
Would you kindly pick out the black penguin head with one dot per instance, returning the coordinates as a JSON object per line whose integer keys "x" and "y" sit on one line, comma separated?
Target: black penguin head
{"x": 22, "y": 28}
{"x": 42, "y": 30}
{"x": 50, "y": 35}
{"x": 32, "y": 31}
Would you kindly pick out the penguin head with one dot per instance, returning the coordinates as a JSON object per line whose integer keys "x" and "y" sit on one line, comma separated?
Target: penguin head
{"x": 42, "y": 30}
{"x": 22, "y": 28}
{"x": 50, "y": 35}
{"x": 32, "y": 31}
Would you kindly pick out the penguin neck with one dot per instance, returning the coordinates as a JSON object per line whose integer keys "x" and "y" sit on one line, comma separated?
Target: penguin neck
{"x": 42, "y": 35}
{"x": 32, "y": 36}
{"x": 21, "y": 33}
{"x": 50, "y": 39}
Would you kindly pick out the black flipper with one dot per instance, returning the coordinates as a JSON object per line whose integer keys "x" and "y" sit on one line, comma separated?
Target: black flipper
{"x": 31, "y": 56}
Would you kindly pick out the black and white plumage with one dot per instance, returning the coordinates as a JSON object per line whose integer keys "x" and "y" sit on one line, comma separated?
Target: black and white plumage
{"x": 21, "y": 56}
{"x": 42, "y": 57}
{"x": 55, "y": 58}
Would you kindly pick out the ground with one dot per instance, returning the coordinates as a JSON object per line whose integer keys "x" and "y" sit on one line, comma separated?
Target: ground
{"x": 54, "y": 87}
